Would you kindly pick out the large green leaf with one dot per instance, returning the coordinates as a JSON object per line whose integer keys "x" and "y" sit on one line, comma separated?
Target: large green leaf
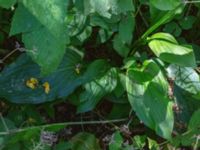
{"x": 44, "y": 31}
{"x": 97, "y": 89}
{"x": 7, "y": 3}
{"x": 166, "y": 4}
{"x": 62, "y": 82}
{"x": 151, "y": 103}
{"x": 167, "y": 49}
{"x": 185, "y": 77}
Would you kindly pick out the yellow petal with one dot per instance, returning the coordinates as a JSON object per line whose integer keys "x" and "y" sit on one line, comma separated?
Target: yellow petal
{"x": 46, "y": 86}
{"x": 32, "y": 83}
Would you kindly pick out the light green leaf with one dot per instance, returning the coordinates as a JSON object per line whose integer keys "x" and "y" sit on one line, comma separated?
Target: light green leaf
{"x": 126, "y": 28}
{"x": 44, "y": 31}
{"x": 116, "y": 141}
{"x": 45, "y": 49}
{"x": 167, "y": 49}
{"x": 62, "y": 82}
{"x": 153, "y": 145}
{"x": 166, "y": 4}
{"x": 151, "y": 103}
{"x": 7, "y": 3}
{"x": 97, "y": 89}
{"x": 146, "y": 73}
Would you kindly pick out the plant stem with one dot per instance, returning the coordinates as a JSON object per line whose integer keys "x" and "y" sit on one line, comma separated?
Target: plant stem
{"x": 63, "y": 124}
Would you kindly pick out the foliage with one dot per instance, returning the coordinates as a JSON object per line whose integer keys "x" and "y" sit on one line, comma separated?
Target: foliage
{"x": 139, "y": 56}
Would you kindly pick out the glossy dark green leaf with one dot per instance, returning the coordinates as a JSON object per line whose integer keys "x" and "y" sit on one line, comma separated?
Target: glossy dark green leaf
{"x": 97, "y": 89}
{"x": 167, "y": 49}
{"x": 151, "y": 103}
{"x": 62, "y": 82}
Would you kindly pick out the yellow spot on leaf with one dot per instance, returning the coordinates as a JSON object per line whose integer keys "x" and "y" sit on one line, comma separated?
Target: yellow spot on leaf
{"x": 77, "y": 70}
{"x": 32, "y": 83}
{"x": 31, "y": 120}
{"x": 46, "y": 86}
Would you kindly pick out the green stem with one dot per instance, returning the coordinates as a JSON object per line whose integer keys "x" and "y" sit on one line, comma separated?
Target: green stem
{"x": 13, "y": 131}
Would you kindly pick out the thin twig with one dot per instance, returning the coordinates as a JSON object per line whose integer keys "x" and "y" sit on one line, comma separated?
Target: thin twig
{"x": 11, "y": 53}
{"x": 191, "y": 2}
{"x": 4, "y": 123}
{"x": 13, "y": 131}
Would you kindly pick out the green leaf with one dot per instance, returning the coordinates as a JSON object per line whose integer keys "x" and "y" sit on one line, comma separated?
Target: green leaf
{"x": 151, "y": 103}
{"x": 185, "y": 77}
{"x": 153, "y": 145}
{"x": 191, "y": 137}
{"x": 120, "y": 46}
{"x": 96, "y": 90}
{"x": 146, "y": 73}
{"x": 45, "y": 49}
{"x": 194, "y": 121}
{"x": 173, "y": 28}
{"x": 121, "y": 6}
{"x": 107, "y": 8}
{"x": 7, "y": 3}
{"x": 116, "y": 141}
{"x": 126, "y": 5}
{"x": 102, "y": 7}
{"x": 62, "y": 82}
{"x": 139, "y": 141}
{"x": 126, "y": 28}
{"x": 167, "y": 49}
{"x": 84, "y": 141}
{"x": 44, "y": 31}
{"x": 23, "y": 21}
{"x": 166, "y": 4}
{"x": 187, "y": 22}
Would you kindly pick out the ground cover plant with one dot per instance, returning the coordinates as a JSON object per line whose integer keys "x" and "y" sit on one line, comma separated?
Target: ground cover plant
{"x": 99, "y": 74}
